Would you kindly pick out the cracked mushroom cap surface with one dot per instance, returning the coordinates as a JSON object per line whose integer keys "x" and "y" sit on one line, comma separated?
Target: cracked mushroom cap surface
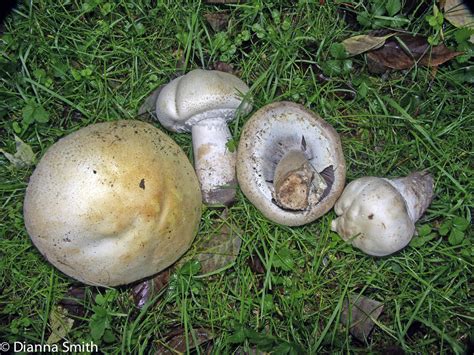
{"x": 113, "y": 203}
{"x": 200, "y": 95}
{"x": 284, "y": 125}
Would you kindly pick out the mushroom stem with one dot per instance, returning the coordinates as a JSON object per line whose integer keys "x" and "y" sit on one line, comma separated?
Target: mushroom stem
{"x": 417, "y": 190}
{"x": 293, "y": 182}
{"x": 213, "y": 161}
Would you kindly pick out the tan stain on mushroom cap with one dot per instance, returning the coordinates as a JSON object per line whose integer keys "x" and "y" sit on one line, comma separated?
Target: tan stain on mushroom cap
{"x": 113, "y": 203}
{"x": 270, "y": 124}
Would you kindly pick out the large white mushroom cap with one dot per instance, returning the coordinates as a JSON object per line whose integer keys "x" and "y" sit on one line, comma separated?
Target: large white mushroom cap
{"x": 113, "y": 203}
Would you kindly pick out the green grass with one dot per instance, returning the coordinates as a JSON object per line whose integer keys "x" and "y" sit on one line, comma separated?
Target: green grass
{"x": 86, "y": 66}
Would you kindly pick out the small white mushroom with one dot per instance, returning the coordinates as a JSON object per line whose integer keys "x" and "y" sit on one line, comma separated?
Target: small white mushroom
{"x": 203, "y": 102}
{"x": 290, "y": 163}
{"x": 113, "y": 203}
{"x": 378, "y": 215}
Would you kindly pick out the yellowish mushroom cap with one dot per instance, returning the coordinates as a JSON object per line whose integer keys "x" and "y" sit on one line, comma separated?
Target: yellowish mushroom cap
{"x": 113, "y": 203}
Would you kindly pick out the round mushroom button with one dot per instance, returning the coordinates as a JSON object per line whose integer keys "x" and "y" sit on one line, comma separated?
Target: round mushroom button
{"x": 113, "y": 203}
{"x": 290, "y": 163}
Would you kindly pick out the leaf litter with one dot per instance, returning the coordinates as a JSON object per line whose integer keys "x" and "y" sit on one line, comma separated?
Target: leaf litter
{"x": 24, "y": 156}
{"x": 214, "y": 252}
{"x": 60, "y": 324}
{"x": 360, "y": 313}
{"x": 219, "y": 249}
{"x": 459, "y": 15}
{"x": 146, "y": 290}
{"x": 364, "y": 43}
{"x": 397, "y": 51}
{"x": 177, "y": 341}
{"x": 404, "y": 51}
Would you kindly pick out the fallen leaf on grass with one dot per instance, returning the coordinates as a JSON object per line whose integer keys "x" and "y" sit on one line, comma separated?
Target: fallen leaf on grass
{"x": 217, "y": 20}
{"x": 363, "y": 43}
{"x": 146, "y": 290}
{"x": 224, "y": 67}
{"x": 211, "y": 253}
{"x": 175, "y": 341}
{"x": 217, "y": 250}
{"x": 60, "y": 324}
{"x": 459, "y": 15}
{"x": 256, "y": 264}
{"x": 73, "y": 301}
{"x": 23, "y": 157}
{"x": 403, "y": 51}
{"x": 149, "y": 105}
{"x": 359, "y": 313}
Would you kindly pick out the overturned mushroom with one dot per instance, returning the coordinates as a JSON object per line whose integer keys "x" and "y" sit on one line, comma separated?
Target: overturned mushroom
{"x": 378, "y": 215}
{"x": 290, "y": 163}
{"x": 113, "y": 203}
{"x": 203, "y": 102}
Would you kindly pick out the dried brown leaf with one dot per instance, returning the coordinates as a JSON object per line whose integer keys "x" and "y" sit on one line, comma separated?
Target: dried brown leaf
{"x": 359, "y": 313}
{"x": 363, "y": 43}
{"x": 175, "y": 341}
{"x": 73, "y": 301}
{"x": 149, "y": 105}
{"x": 60, "y": 324}
{"x": 459, "y": 15}
{"x": 146, "y": 290}
{"x": 256, "y": 264}
{"x": 408, "y": 51}
{"x": 217, "y": 20}
{"x": 218, "y": 249}
{"x": 24, "y": 156}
